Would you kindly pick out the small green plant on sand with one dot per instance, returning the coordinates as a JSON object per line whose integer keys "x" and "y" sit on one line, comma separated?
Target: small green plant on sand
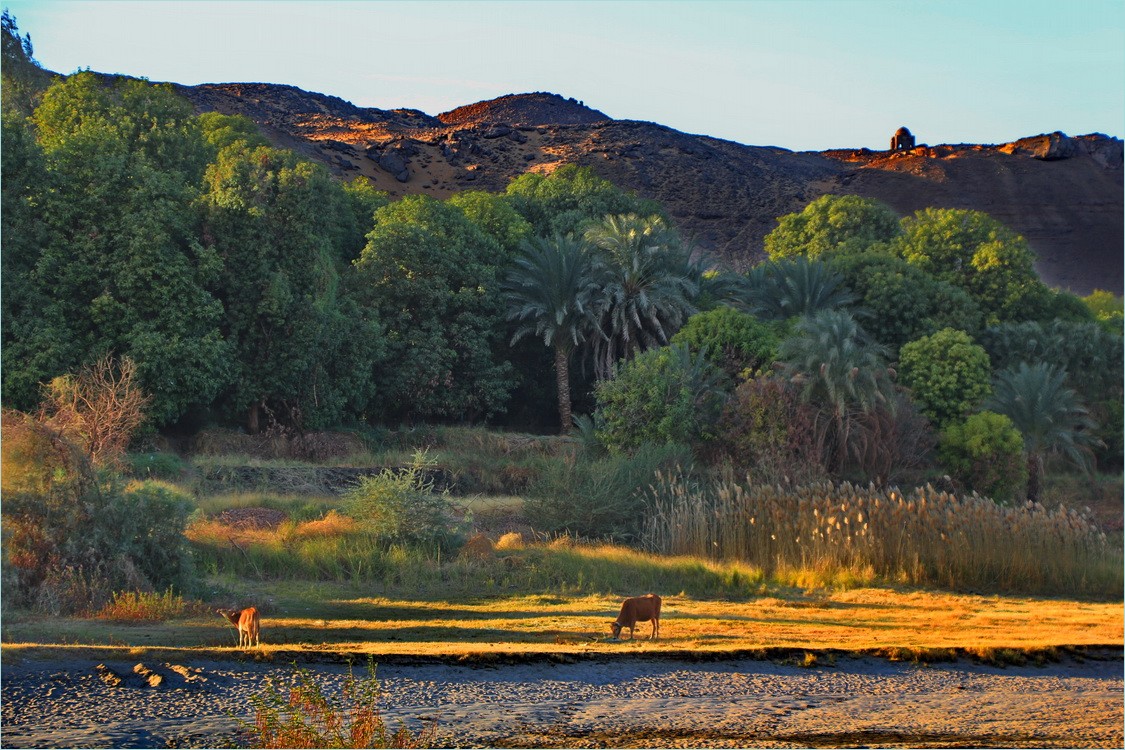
{"x": 304, "y": 717}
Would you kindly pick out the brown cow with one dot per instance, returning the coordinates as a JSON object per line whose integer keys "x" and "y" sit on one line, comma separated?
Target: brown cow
{"x": 638, "y": 609}
{"x": 248, "y": 624}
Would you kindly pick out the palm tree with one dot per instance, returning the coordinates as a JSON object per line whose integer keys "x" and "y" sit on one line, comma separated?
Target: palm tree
{"x": 1049, "y": 415}
{"x": 789, "y": 288}
{"x": 549, "y": 290}
{"x": 837, "y": 365}
{"x": 646, "y": 287}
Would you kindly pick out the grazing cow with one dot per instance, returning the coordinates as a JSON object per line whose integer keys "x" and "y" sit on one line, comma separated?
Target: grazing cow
{"x": 248, "y": 624}
{"x": 638, "y": 609}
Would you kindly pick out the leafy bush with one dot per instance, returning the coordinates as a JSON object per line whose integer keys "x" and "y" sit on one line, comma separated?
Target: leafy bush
{"x": 985, "y": 454}
{"x": 1092, "y": 357}
{"x": 664, "y": 395}
{"x": 400, "y": 506}
{"x": 1107, "y": 308}
{"x": 72, "y": 537}
{"x": 901, "y": 301}
{"x": 766, "y": 431}
{"x": 598, "y": 498}
{"x": 146, "y": 523}
{"x": 948, "y": 374}
{"x": 733, "y": 341}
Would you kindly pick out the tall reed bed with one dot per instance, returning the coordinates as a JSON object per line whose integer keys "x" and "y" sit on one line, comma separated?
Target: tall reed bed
{"x": 924, "y": 538}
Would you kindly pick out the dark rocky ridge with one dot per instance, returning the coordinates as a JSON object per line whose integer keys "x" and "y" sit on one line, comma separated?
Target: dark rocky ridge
{"x": 1063, "y": 194}
{"x": 540, "y": 108}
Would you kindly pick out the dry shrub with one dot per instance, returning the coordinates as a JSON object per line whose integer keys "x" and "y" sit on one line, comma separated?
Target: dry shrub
{"x": 479, "y": 547}
{"x": 566, "y": 541}
{"x": 210, "y": 531}
{"x": 98, "y": 409}
{"x": 220, "y": 533}
{"x": 39, "y": 459}
{"x": 278, "y": 444}
{"x": 325, "y": 446}
{"x": 924, "y": 538}
{"x": 303, "y": 716}
{"x": 138, "y": 606}
{"x": 768, "y": 433}
{"x": 510, "y": 541}
{"x": 330, "y": 525}
{"x": 253, "y": 518}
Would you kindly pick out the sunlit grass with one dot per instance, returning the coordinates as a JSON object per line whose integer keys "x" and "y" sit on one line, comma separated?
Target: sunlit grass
{"x": 336, "y": 618}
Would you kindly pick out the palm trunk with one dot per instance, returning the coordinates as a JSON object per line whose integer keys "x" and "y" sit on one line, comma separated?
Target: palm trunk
{"x": 562, "y": 381}
{"x": 1034, "y": 476}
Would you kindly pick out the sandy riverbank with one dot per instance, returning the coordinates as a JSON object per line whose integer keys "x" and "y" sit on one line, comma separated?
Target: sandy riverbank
{"x": 600, "y": 703}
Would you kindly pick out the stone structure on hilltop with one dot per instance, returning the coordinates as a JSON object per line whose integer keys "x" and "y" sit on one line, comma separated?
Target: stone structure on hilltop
{"x": 902, "y": 140}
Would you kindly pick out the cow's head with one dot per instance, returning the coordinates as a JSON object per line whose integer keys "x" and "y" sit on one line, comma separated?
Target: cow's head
{"x": 616, "y": 628}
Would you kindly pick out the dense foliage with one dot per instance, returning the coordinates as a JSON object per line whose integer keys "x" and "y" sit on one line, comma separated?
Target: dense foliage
{"x": 830, "y": 225}
{"x": 247, "y": 286}
{"x": 665, "y": 395}
{"x": 948, "y": 374}
{"x": 984, "y": 453}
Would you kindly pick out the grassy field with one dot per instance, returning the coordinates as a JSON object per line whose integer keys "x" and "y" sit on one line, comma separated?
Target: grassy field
{"x": 327, "y": 587}
{"x": 303, "y": 619}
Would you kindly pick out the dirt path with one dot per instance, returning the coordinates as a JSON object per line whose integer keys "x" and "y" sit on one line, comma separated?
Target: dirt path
{"x": 617, "y": 703}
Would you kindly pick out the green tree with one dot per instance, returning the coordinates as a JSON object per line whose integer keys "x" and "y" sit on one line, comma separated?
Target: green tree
{"x": 430, "y": 276}
{"x": 986, "y": 454}
{"x": 830, "y": 225}
{"x": 1049, "y": 416}
{"x": 973, "y": 251}
{"x": 494, "y": 215}
{"x": 901, "y": 302}
{"x": 1092, "y": 357}
{"x": 839, "y": 368}
{"x": 792, "y": 288}
{"x": 734, "y": 342}
{"x": 120, "y": 268}
{"x": 24, "y": 80}
{"x": 1107, "y": 308}
{"x": 646, "y": 286}
{"x": 665, "y": 395}
{"x": 303, "y": 353}
{"x": 224, "y": 131}
{"x": 570, "y": 198}
{"x": 948, "y": 374}
{"x": 550, "y": 293}
{"x": 24, "y": 232}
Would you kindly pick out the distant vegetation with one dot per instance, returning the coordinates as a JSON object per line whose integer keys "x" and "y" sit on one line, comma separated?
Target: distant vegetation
{"x": 165, "y": 272}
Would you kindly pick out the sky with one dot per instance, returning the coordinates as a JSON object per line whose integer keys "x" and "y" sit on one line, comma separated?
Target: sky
{"x": 799, "y": 74}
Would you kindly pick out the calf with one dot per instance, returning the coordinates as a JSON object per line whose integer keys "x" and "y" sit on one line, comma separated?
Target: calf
{"x": 638, "y": 609}
{"x": 248, "y": 624}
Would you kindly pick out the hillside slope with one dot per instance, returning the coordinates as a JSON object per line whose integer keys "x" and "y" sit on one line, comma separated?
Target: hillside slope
{"x": 1064, "y": 194}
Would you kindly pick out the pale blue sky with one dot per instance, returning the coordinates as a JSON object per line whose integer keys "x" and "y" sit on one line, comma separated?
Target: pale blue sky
{"x": 802, "y": 74}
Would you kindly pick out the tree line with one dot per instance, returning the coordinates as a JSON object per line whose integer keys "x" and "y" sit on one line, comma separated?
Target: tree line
{"x": 249, "y": 287}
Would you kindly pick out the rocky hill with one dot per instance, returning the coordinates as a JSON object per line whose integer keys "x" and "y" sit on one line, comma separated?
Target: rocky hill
{"x": 1064, "y": 194}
